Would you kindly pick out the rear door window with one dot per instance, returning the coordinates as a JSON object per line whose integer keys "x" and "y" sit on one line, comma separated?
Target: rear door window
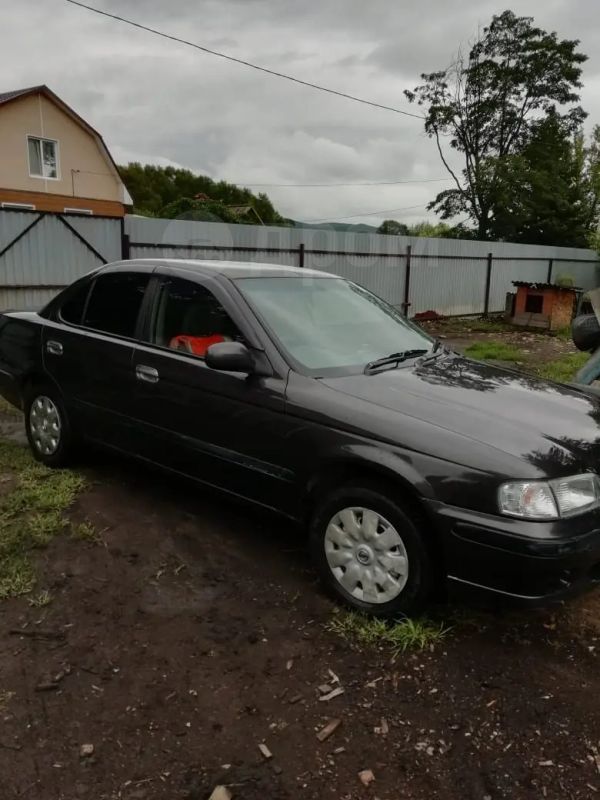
{"x": 115, "y": 303}
{"x": 72, "y": 308}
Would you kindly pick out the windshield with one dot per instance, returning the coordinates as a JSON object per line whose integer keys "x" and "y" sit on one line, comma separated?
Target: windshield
{"x": 328, "y": 324}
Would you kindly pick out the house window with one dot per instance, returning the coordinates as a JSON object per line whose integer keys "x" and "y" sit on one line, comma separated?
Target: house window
{"x": 43, "y": 158}
{"x": 87, "y": 211}
{"x": 19, "y": 206}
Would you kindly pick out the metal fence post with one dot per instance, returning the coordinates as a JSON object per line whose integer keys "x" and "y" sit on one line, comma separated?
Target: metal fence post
{"x": 488, "y": 281}
{"x": 301, "y": 255}
{"x": 125, "y": 244}
{"x": 550, "y": 265}
{"x": 406, "y": 303}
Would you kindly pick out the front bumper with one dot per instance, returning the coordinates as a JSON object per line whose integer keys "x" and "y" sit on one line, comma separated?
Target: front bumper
{"x": 528, "y": 562}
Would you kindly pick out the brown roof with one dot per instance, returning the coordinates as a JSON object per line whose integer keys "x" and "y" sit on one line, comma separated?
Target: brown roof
{"x": 6, "y": 96}
{"x": 542, "y": 285}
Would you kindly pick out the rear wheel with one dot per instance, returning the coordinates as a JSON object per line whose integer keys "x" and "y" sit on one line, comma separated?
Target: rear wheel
{"x": 48, "y": 429}
{"x": 370, "y": 552}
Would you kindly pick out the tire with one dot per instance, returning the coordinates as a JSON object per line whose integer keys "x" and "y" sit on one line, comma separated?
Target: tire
{"x": 357, "y": 566}
{"x": 48, "y": 429}
{"x": 585, "y": 332}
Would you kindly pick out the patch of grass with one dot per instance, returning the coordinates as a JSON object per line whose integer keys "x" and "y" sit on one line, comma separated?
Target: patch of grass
{"x": 563, "y": 333}
{"x": 7, "y": 409}
{"x": 41, "y": 599}
{"x": 86, "y": 532}
{"x": 5, "y": 698}
{"x": 407, "y": 634}
{"x": 498, "y": 351}
{"x": 562, "y": 370}
{"x": 31, "y": 514}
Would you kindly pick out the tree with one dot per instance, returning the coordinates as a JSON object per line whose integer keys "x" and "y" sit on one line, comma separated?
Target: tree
{"x": 488, "y": 106}
{"x": 205, "y": 211}
{"x": 549, "y": 193}
{"x": 393, "y": 228}
{"x": 154, "y": 188}
{"x": 438, "y": 230}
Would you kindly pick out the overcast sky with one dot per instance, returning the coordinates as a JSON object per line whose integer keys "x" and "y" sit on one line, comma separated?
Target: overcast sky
{"x": 161, "y": 102}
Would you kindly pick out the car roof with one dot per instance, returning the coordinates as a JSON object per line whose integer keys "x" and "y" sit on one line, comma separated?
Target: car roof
{"x": 229, "y": 269}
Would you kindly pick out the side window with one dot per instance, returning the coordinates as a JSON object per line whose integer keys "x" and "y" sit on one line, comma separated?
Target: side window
{"x": 72, "y": 309}
{"x": 115, "y": 303}
{"x": 190, "y": 318}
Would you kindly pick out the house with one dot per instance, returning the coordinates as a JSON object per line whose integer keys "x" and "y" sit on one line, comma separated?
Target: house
{"x": 53, "y": 160}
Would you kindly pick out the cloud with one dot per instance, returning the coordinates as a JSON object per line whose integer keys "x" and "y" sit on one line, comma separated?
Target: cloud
{"x": 158, "y": 101}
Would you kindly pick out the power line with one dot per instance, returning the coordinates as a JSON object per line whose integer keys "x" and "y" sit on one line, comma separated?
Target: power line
{"x": 242, "y": 62}
{"x": 320, "y": 185}
{"x": 368, "y": 213}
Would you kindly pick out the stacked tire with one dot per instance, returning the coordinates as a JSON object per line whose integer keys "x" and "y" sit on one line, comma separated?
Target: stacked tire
{"x": 585, "y": 332}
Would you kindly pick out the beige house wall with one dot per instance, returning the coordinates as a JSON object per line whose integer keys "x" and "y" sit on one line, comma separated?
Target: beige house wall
{"x": 83, "y": 169}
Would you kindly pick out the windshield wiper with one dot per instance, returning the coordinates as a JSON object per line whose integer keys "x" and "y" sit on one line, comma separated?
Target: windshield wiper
{"x": 393, "y": 359}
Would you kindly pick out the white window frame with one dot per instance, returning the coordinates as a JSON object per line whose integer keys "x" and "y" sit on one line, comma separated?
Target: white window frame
{"x": 87, "y": 211}
{"x": 18, "y": 206}
{"x": 56, "y": 144}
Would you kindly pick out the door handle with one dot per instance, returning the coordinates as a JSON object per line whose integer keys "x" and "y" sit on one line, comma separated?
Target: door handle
{"x": 55, "y": 348}
{"x": 147, "y": 374}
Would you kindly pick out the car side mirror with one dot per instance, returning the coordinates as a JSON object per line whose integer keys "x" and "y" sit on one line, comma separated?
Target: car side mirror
{"x": 230, "y": 357}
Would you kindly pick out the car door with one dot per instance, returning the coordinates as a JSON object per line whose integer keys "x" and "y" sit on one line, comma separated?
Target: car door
{"x": 88, "y": 351}
{"x": 226, "y": 429}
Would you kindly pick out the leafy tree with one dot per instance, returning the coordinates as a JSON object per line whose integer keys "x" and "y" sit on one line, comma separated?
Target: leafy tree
{"x": 205, "y": 211}
{"x": 393, "y": 228}
{"x": 549, "y": 193}
{"x": 154, "y": 188}
{"x": 487, "y": 106}
{"x": 439, "y": 230}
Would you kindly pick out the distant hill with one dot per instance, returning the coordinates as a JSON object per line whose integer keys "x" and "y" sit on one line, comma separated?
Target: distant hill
{"x": 344, "y": 227}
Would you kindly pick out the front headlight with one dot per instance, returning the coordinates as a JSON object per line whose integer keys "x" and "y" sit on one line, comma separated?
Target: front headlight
{"x": 549, "y": 499}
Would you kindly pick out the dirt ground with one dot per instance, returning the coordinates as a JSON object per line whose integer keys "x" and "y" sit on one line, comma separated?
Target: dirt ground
{"x": 193, "y": 630}
{"x": 459, "y": 333}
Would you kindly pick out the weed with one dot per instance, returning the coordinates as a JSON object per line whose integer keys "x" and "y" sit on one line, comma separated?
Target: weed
{"x": 407, "y": 634}
{"x": 562, "y": 370}
{"x": 498, "y": 351}
{"x": 86, "y": 532}
{"x": 41, "y": 599}
{"x": 563, "y": 333}
{"x": 5, "y": 698}
{"x": 7, "y": 409}
{"x": 30, "y": 514}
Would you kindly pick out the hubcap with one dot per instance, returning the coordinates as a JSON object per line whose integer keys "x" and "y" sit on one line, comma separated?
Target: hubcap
{"x": 45, "y": 425}
{"x": 366, "y": 555}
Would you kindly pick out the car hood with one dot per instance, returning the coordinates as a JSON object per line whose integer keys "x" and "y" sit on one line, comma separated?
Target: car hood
{"x": 552, "y": 426}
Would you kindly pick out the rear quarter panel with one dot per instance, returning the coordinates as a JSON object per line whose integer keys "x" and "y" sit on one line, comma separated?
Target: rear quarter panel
{"x": 20, "y": 353}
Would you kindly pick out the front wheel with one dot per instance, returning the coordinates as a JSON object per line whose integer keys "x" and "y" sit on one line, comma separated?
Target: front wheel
{"x": 47, "y": 426}
{"x": 370, "y": 552}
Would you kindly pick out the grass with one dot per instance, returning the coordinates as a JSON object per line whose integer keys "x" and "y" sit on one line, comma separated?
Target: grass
{"x": 407, "y": 634}
{"x": 7, "y": 409}
{"x": 86, "y": 532}
{"x": 31, "y": 514}
{"x": 41, "y": 599}
{"x": 498, "y": 351}
{"x": 562, "y": 370}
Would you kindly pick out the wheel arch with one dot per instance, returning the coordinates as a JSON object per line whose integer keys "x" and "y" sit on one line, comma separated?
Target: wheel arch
{"x": 393, "y": 476}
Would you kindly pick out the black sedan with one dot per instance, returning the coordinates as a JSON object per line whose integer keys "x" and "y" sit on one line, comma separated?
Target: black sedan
{"x": 413, "y": 467}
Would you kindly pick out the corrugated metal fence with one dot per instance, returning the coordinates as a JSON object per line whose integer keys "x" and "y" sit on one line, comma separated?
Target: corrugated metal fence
{"x": 447, "y": 275}
{"x": 41, "y": 253}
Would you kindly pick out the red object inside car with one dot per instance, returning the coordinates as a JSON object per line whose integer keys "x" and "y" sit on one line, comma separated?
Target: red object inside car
{"x": 198, "y": 345}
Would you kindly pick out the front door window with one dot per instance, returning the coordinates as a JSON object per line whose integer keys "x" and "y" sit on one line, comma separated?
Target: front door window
{"x": 190, "y": 318}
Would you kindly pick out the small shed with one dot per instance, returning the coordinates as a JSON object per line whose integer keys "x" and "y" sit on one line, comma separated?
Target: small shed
{"x": 542, "y": 305}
